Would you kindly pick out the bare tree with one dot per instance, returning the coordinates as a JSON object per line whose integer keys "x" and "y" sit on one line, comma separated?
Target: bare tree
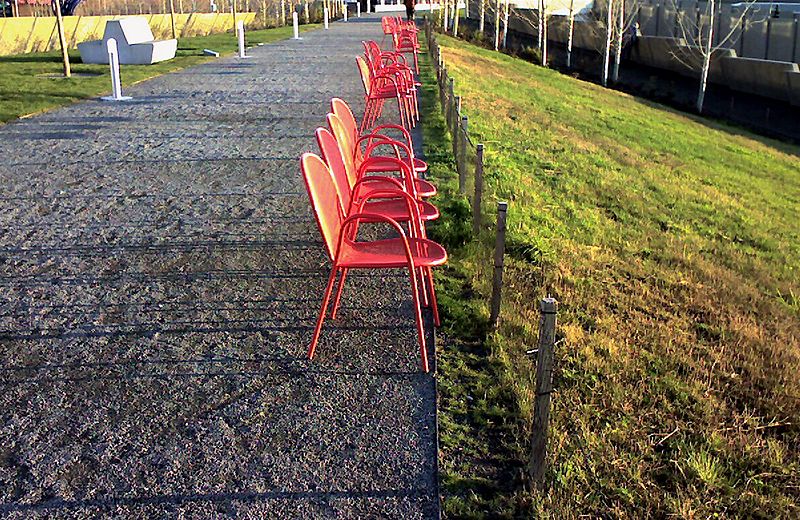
{"x": 537, "y": 23}
{"x": 613, "y": 23}
{"x": 497, "y": 25}
{"x": 543, "y": 30}
{"x": 699, "y": 31}
{"x": 609, "y": 28}
{"x": 571, "y": 32}
{"x": 505, "y": 23}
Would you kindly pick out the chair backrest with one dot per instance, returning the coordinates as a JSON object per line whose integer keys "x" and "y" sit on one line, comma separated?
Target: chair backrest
{"x": 346, "y": 145}
{"x": 342, "y": 110}
{"x": 387, "y": 24}
{"x": 332, "y": 153}
{"x": 324, "y": 200}
{"x": 363, "y": 69}
{"x": 373, "y": 62}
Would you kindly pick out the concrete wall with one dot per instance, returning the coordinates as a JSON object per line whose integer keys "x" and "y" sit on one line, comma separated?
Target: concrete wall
{"x": 39, "y": 34}
{"x": 658, "y": 46}
{"x": 760, "y": 77}
{"x": 793, "y": 79}
{"x": 754, "y": 40}
{"x": 781, "y": 38}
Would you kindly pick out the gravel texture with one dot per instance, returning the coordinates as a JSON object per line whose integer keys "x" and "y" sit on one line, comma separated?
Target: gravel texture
{"x": 160, "y": 273}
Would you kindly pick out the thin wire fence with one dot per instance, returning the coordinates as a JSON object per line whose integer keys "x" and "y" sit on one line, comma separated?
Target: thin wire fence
{"x": 469, "y": 159}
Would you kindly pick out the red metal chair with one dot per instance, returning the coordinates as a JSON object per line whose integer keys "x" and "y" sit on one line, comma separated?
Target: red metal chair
{"x": 392, "y": 202}
{"x": 351, "y": 190}
{"x": 380, "y": 87}
{"x": 346, "y": 252}
{"x": 378, "y": 164}
{"x": 346, "y": 147}
{"x": 392, "y": 62}
{"x": 388, "y": 164}
{"x": 404, "y": 38}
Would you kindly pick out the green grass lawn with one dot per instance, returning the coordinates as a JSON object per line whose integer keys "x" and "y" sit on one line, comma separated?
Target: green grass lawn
{"x": 24, "y": 91}
{"x": 672, "y": 243}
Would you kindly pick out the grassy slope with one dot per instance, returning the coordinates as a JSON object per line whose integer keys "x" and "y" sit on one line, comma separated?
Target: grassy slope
{"x": 673, "y": 245}
{"x": 23, "y": 91}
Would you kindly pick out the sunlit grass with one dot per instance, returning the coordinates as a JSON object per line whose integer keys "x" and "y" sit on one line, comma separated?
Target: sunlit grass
{"x": 673, "y": 245}
{"x": 24, "y": 89}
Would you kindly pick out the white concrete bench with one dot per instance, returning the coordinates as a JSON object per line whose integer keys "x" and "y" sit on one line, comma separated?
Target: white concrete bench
{"x": 134, "y": 40}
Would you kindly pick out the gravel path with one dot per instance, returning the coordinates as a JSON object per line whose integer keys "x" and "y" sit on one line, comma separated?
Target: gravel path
{"x": 160, "y": 272}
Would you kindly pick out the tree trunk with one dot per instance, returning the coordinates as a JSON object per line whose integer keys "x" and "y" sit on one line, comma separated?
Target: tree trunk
{"x": 618, "y": 50}
{"x": 539, "y": 24}
{"x": 455, "y": 18}
{"x": 483, "y": 15}
{"x": 544, "y": 33}
{"x": 172, "y": 19}
{"x": 497, "y": 25}
{"x": 505, "y": 23}
{"x": 62, "y": 40}
{"x": 607, "y": 52}
{"x": 571, "y": 32}
{"x": 708, "y": 50}
{"x": 233, "y": 12}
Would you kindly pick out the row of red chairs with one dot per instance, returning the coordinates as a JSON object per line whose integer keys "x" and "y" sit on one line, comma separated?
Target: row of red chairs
{"x": 404, "y": 36}
{"x": 387, "y": 74}
{"x": 351, "y": 184}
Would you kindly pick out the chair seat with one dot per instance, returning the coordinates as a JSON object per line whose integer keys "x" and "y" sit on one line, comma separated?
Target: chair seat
{"x": 390, "y": 253}
{"x": 387, "y": 92}
{"x": 424, "y": 188}
{"x": 386, "y": 164}
{"x": 397, "y": 209}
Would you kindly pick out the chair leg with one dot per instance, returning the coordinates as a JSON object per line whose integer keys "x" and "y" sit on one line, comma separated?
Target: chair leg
{"x": 423, "y": 288}
{"x": 378, "y": 112}
{"x": 322, "y": 313}
{"x": 412, "y": 110}
{"x": 418, "y": 315}
{"x": 338, "y": 299}
{"x": 367, "y": 115}
{"x": 434, "y": 304}
{"x": 402, "y": 113}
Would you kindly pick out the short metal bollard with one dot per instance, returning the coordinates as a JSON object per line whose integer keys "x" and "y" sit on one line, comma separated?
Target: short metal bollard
{"x": 113, "y": 62}
{"x": 325, "y": 13}
{"x": 295, "y": 26}
{"x": 240, "y": 31}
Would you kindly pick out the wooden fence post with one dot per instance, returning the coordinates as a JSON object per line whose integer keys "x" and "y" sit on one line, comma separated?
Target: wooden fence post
{"x": 499, "y": 256}
{"x": 544, "y": 386}
{"x": 455, "y": 122}
{"x": 462, "y": 158}
{"x": 478, "y": 199}
{"x": 451, "y": 104}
